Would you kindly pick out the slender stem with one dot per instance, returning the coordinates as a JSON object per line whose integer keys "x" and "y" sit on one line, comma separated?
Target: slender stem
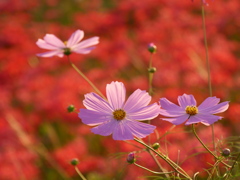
{"x": 150, "y": 77}
{"x": 79, "y": 173}
{"x": 214, "y": 167}
{"x": 167, "y": 160}
{"x": 159, "y": 165}
{"x": 238, "y": 157}
{"x": 194, "y": 131}
{"x": 85, "y": 77}
{"x": 208, "y": 67}
{"x": 151, "y": 170}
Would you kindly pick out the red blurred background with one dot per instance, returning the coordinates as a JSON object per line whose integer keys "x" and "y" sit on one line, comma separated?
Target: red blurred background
{"x": 38, "y": 137}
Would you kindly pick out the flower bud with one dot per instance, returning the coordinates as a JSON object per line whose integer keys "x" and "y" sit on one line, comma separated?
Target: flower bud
{"x": 70, "y": 108}
{"x": 226, "y": 152}
{"x": 152, "y": 70}
{"x": 131, "y": 158}
{"x": 74, "y": 162}
{"x": 155, "y": 145}
{"x": 152, "y": 48}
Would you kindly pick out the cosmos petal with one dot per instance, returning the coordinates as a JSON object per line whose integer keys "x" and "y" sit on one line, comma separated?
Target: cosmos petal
{"x": 177, "y": 120}
{"x": 140, "y": 129}
{"x": 116, "y": 94}
{"x": 186, "y": 100}
{"x": 86, "y": 43}
{"x": 168, "y": 105}
{"x": 75, "y": 38}
{"x": 83, "y": 50}
{"x": 93, "y": 118}
{"x": 94, "y": 102}
{"x": 53, "y": 40}
{"x": 122, "y": 132}
{"x": 42, "y": 44}
{"x": 137, "y": 100}
{"x": 219, "y": 108}
{"x": 169, "y": 113}
{"x": 51, "y": 53}
{"x": 145, "y": 113}
{"x": 106, "y": 128}
{"x": 203, "y": 118}
{"x": 209, "y": 102}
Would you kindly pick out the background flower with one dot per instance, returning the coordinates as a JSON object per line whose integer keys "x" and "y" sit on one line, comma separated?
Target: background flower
{"x": 60, "y": 48}
{"x": 188, "y": 110}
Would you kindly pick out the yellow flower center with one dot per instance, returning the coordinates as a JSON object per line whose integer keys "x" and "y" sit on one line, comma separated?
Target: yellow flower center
{"x": 192, "y": 110}
{"x": 119, "y": 114}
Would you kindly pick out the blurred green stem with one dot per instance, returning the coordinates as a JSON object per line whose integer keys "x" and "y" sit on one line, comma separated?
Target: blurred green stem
{"x": 150, "y": 77}
{"x": 79, "y": 173}
{"x": 176, "y": 167}
{"x": 208, "y": 66}
{"x": 85, "y": 77}
{"x": 154, "y": 172}
{"x": 216, "y": 157}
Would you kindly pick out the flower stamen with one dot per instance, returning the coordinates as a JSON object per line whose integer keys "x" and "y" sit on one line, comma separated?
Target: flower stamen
{"x": 191, "y": 110}
{"x": 119, "y": 114}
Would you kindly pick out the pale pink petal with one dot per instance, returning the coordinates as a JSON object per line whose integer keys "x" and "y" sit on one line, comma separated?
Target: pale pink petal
{"x": 53, "y": 40}
{"x": 170, "y": 109}
{"x": 93, "y": 118}
{"x": 86, "y": 43}
{"x": 140, "y": 129}
{"x": 145, "y": 113}
{"x": 137, "y": 100}
{"x": 94, "y": 102}
{"x": 209, "y": 102}
{"x": 75, "y": 38}
{"x": 83, "y": 51}
{"x": 219, "y": 108}
{"x": 203, "y": 118}
{"x": 122, "y": 132}
{"x": 168, "y": 105}
{"x": 58, "y": 53}
{"x": 170, "y": 113}
{"x": 116, "y": 94}
{"x": 186, "y": 100}
{"x": 42, "y": 44}
{"x": 106, "y": 128}
{"x": 177, "y": 120}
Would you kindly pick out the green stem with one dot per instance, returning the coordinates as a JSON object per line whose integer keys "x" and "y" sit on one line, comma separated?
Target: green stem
{"x": 238, "y": 157}
{"x": 159, "y": 165}
{"x": 151, "y": 170}
{"x": 150, "y": 77}
{"x": 167, "y": 160}
{"x": 194, "y": 131}
{"x": 214, "y": 167}
{"x": 85, "y": 77}
{"x": 208, "y": 68}
{"x": 79, "y": 173}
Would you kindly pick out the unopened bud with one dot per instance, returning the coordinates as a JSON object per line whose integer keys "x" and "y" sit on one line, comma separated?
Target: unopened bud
{"x": 71, "y": 108}
{"x": 152, "y": 70}
{"x": 226, "y": 152}
{"x": 152, "y": 48}
{"x": 74, "y": 162}
{"x": 131, "y": 158}
{"x": 155, "y": 145}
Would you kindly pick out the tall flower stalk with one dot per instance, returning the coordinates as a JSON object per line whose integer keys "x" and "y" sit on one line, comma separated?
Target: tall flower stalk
{"x": 207, "y": 63}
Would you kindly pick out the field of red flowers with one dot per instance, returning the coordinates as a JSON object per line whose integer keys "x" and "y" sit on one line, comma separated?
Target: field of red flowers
{"x": 39, "y": 137}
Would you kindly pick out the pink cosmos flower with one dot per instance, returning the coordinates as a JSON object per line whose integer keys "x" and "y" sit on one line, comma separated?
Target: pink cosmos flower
{"x": 119, "y": 117}
{"x": 188, "y": 110}
{"x": 60, "y": 48}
